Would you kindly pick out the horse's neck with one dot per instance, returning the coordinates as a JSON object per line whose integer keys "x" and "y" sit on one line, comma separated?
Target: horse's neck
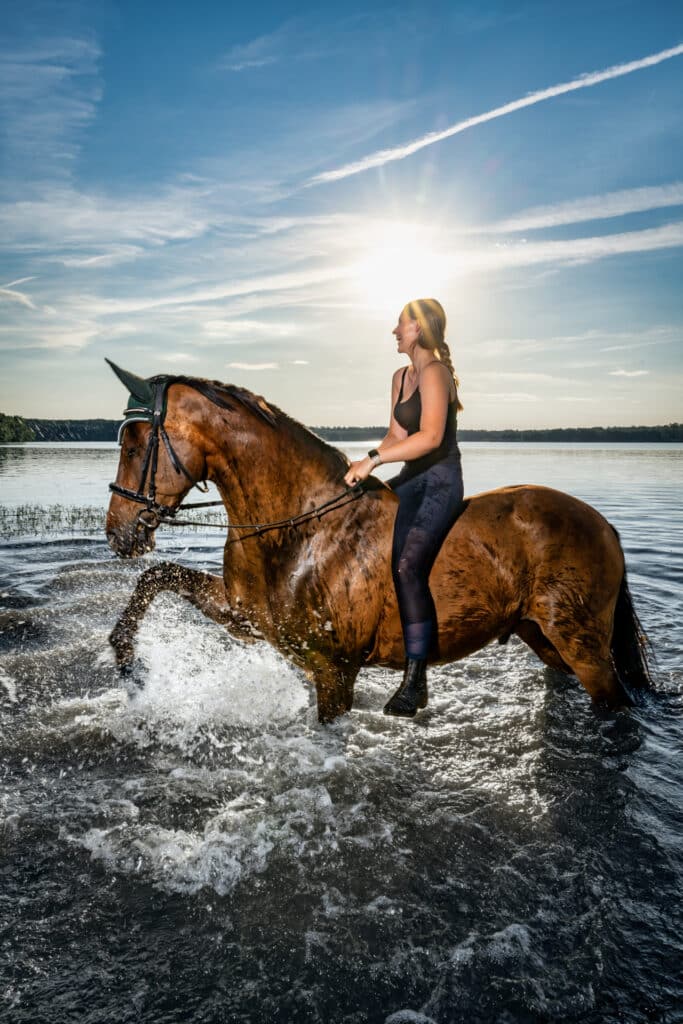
{"x": 275, "y": 474}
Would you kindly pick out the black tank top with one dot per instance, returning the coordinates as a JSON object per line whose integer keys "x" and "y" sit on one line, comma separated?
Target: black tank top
{"x": 408, "y": 415}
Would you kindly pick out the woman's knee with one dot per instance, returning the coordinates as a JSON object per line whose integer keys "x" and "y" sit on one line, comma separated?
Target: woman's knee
{"x": 408, "y": 571}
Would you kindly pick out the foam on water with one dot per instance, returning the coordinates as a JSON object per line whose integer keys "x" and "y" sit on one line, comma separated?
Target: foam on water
{"x": 194, "y": 672}
{"x": 9, "y": 685}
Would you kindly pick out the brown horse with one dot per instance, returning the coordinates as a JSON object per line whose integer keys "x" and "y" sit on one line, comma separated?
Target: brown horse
{"x": 526, "y": 560}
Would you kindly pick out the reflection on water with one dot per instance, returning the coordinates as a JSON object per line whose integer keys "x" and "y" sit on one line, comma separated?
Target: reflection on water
{"x": 193, "y": 846}
{"x": 79, "y": 474}
{"x": 57, "y": 474}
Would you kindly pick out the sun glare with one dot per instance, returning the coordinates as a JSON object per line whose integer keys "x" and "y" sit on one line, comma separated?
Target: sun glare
{"x": 400, "y": 261}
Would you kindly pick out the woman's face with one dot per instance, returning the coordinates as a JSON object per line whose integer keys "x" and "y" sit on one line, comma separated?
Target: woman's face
{"x": 406, "y": 332}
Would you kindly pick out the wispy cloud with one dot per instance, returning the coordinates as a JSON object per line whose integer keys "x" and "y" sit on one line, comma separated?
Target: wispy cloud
{"x": 42, "y": 334}
{"x": 663, "y": 334}
{"x": 667, "y": 334}
{"x": 179, "y": 357}
{"x": 119, "y": 254}
{"x": 629, "y": 373}
{"x": 296, "y": 39}
{"x": 49, "y": 93}
{"x": 215, "y": 292}
{"x": 10, "y": 294}
{"x": 571, "y": 251}
{"x": 585, "y": 81}
{"x": 531, "y": 377}
{"x": 576, "y": 211}
{"x": 252, "y": 366}
{"x": 242, "y": 329}
{"x": 66, "y": 217}
{"x": 503, "y": 396}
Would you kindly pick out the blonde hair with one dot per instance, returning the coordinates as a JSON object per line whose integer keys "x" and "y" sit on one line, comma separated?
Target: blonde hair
{"x": 431, "y": 317}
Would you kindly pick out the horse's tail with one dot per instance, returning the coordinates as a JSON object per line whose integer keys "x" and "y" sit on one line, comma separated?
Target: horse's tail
{"x": 630, "y": 647}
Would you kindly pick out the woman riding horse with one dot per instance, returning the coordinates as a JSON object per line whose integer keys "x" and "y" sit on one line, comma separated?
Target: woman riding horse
{"x": 527, "y": 560}
{"x": 422, "y": 433}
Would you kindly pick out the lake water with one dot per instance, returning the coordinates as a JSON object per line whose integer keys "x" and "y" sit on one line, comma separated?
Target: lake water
{"x": 202, "y": 850}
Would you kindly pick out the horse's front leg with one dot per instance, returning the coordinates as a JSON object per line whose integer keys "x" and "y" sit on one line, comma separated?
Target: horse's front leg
{"x": 204, "y": 590}
{"x": 334, "y": 687}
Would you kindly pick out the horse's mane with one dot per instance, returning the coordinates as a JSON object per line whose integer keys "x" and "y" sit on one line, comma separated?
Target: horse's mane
{"x": 226, "y": 395}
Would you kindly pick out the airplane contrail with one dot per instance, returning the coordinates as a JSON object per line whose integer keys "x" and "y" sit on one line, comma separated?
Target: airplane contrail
{"x": 385, "y": 156}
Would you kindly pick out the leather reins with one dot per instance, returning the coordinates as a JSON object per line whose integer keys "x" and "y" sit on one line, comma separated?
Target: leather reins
{"x": 156, "y": 514}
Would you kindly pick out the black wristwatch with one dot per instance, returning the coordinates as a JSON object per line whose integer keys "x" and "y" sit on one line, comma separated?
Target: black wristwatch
{"x": 375, "y": 456}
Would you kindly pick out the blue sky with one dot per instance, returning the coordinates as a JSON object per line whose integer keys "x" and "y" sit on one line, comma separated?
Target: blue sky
{"x": 252, "y": 194}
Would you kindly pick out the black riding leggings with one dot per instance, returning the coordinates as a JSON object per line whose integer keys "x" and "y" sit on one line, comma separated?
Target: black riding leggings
{"x": 429, "y": 504}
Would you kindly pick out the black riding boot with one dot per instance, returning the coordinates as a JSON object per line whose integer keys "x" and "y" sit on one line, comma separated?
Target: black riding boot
{"x": 412, "y": 693}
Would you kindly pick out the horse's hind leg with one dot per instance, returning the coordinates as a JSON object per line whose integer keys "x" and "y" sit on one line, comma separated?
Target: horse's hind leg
{"x": 204, "y": 590}
{"x": 532, "y": 635}
{"x": 585, "y": 649}
{"x": 603, "y": 685}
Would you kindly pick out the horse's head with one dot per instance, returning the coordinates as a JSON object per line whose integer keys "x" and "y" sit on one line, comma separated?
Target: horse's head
{"x": 160, "y": 461}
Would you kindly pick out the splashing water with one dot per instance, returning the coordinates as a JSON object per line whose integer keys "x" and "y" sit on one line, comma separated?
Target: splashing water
{"x": 190, "y": 844}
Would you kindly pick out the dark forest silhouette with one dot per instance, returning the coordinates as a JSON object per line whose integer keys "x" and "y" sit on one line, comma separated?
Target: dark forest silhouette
{"x": 17, "y": 428}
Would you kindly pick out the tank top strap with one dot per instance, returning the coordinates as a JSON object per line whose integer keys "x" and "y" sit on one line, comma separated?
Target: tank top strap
{"x": 403, "y": 380}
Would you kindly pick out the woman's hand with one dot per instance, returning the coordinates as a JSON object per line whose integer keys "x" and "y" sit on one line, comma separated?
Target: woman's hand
{"x": 359, "y": 471}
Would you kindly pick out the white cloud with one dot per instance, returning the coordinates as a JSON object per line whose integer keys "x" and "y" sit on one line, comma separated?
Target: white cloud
{"x": 539, "y": 378}
{"x": 575, "y": 211}
{"x": 12, "y": 295}
{"x": 629, "y": 373}
{"x": 503, "y": 396}
{"x": 295, "y": 39}
{"x": 385, "y": 156}
{"x": 571, "y": 251}
{"x": 66, "y": 218}
{"x": 49, "y": 93}
{"x": 304, "y": 38}
{"x": 46, "y": 335}
{"x": 119, "y": 254}
{"x": 212, "y": 293}
{"x": 252, "y": 366}
{"x": 248, "y": 328}
{"x": 179, "y": 357}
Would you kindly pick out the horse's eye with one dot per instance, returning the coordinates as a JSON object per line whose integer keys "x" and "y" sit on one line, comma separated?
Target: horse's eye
{"x": 130, "y": 452}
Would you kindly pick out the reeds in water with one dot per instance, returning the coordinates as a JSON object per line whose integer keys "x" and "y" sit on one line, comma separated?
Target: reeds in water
{"x": 37, "y": 520}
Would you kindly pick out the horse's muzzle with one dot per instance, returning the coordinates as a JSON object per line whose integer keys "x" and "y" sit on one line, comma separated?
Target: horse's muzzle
{"x": 130, "y": 540}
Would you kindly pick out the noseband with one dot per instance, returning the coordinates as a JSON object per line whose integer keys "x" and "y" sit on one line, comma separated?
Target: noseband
{"x": 155, "y": 414}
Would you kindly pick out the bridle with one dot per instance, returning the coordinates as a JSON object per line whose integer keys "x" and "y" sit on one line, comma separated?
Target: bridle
{"x": 155, "y": 513}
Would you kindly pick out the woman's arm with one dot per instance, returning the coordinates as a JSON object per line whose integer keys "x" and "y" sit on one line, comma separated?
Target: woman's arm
{"x": 435, "y": 395}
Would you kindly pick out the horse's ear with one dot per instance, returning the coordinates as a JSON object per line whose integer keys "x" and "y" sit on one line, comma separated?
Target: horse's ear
{"x": 138, "y": 387}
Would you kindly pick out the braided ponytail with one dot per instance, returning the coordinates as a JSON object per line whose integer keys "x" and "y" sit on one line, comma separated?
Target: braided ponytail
{"x": 431, "y": 317}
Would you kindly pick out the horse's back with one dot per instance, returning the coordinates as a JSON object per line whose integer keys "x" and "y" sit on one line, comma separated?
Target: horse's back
{"x": 536, "y": 519}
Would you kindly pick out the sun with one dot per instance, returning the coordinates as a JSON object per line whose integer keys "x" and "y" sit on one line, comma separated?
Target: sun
{"x": 400, "y": 260}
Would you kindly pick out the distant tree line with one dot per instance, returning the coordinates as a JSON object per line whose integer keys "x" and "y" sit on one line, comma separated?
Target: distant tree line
{"x": 15, "y": 428}
{"x": 670, "y": 432}
{"x": 74, "y": 430}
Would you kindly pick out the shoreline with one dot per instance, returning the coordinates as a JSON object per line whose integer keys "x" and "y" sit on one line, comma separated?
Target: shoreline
{"x": 70, "y": 431}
